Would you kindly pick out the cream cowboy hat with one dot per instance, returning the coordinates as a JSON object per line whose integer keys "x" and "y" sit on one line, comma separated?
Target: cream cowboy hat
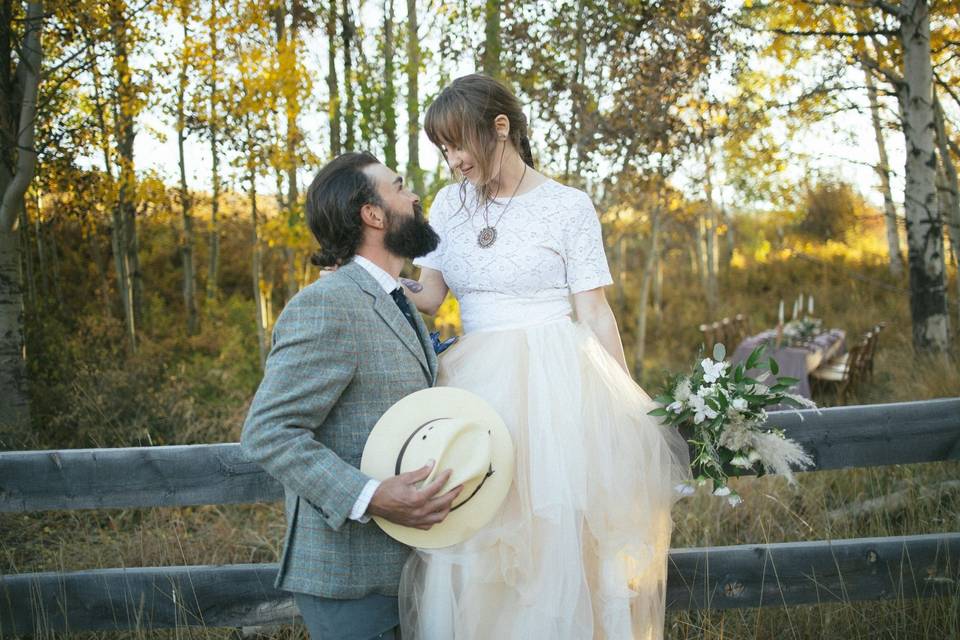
{"x": 460, "y": 431}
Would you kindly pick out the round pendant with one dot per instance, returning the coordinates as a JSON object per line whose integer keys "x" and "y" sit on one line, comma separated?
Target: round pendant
{"x": 487, "y": 236}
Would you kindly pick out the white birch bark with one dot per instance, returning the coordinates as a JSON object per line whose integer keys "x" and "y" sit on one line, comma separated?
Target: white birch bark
{"x": 928, "y": 302}
{"x": 14, "y": 396}
{"x": 883, "y": 172}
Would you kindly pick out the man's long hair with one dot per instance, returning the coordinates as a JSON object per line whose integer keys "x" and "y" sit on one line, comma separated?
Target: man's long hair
{"x": 334, "y": 200}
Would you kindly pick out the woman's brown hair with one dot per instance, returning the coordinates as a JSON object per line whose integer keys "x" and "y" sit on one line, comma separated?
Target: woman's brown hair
{"x": 463, "y": 115}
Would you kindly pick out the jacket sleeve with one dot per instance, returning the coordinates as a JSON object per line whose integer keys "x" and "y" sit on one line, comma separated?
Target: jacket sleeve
{"x": 312, "y": 361}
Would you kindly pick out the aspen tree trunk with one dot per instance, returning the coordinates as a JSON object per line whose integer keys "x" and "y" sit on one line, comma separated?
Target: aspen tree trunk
{"x": 293, "y": 139}
{"x": 124, "y": 207}
{"x": 700, "y": 264}
{"x": 949, "y": 190}
{"x": 186, "y": 202}
{"x": 710, "y": 233}
{"x": 730, "y": 236}
{"x": 658, "y": 288}
{"x": 41, "y": 256}
{"x": 414, "y": 174}
{"x": 104, "y": 144}
{"x": 256, "y": 268}
{"x": 389, "y": 97}
{"x": 16, "y": 172}
{"x": 213, "y": 266}
{"x": 55, "y": 275}
{"x": 333, "y": 106}
{"x": 573, "y": 133}
{"x": 928, "y": 302}
{"x": 27, "y": 255}
{"x": 645, "y": 285}
{"x": 349, "y": 108}
{"x": 491, "y": 47}
{"x": 96, "y": 252}
{"x": 883, "y": 171}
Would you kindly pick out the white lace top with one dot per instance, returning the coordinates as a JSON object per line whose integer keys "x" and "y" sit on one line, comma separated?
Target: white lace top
{"x": 548, "y": 247}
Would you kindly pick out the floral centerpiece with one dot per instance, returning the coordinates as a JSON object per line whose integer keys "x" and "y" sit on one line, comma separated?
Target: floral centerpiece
{"x": 802, "y": 329}
{"x": 722, "y": 413}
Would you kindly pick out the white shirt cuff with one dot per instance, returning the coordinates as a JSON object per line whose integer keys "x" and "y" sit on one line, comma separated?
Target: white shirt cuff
{"x": 359, "y": 510}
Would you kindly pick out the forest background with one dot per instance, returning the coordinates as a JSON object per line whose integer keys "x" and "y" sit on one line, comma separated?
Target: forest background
{"x": 155, "y": 155}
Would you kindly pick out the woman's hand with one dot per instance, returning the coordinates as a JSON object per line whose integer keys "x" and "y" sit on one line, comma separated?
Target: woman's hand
{"x": 429, "y": 292}
{"x": 594, "y": 311}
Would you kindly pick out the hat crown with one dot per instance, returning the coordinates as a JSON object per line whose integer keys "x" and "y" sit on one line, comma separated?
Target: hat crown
{"x": 463, "y": 446}
{"x": 461, "y": 432}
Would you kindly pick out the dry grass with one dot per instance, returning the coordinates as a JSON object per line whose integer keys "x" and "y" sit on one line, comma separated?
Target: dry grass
{"x": 853, "y": 291}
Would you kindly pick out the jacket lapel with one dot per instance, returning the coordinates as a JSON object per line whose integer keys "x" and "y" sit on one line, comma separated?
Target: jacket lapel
{"x": 388, "y": 310}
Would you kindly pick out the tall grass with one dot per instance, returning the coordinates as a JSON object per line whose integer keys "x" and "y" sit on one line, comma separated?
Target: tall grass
{"x": 196, "y": 390}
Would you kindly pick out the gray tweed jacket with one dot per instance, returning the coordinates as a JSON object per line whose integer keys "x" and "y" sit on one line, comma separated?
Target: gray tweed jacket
{"x": 342, "y": 354}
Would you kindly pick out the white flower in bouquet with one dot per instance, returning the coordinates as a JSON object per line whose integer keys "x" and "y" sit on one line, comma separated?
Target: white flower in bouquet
{"x": 682, "y": 392}
{"x": 740, "y": 404}
{"x": 701, "y": 411}
{"x": 712, "y": 371}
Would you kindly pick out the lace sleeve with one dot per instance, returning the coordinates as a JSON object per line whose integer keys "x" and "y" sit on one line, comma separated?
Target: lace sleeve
{"x": 584, "y": 255}
{"x": 439, "y": 212}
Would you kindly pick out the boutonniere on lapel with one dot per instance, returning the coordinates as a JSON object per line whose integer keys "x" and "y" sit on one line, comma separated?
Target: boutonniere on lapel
{"x": 441, "y": 346}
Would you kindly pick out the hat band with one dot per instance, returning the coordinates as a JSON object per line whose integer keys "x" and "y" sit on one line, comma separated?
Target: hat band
{"x": 410, "y": 439}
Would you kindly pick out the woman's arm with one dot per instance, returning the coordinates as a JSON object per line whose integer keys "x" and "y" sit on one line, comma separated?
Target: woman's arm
{"x": 429, "y": 292}
{"x": 593, "y": 310}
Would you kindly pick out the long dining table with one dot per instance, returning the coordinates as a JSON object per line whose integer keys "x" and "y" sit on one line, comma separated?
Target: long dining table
{"x": 796, "y": 359}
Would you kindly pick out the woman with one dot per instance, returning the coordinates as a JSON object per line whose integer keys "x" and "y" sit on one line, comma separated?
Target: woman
{"x": 579, "y": 549}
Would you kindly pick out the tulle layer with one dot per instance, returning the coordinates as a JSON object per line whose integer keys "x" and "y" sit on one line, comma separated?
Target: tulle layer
{"x": 579, "y": 548}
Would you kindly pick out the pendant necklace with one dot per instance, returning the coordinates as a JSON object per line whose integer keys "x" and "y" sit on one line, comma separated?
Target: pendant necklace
{"x": 488, "y": 235}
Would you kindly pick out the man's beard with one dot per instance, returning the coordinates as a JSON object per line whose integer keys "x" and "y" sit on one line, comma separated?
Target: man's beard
{"x": 409, "y": 236}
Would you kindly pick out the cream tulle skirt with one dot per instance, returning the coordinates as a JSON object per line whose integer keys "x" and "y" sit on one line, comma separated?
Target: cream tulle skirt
{"x": 579, "y": 548}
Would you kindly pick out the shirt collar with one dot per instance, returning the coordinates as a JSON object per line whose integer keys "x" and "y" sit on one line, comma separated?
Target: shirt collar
{"x": 384, "y": 279}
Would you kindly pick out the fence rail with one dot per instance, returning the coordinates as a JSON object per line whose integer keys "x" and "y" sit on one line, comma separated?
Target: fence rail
{"x": 240, "y": 595}
{"x": 762, "y": 575}
{"x": 187, "y": 475}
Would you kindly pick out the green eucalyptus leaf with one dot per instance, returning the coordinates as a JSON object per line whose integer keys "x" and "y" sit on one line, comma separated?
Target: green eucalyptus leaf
{"x": 719, "y": 352}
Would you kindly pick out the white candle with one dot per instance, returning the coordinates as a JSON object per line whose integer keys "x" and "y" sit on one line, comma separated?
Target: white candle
{"x": 810, "y": 305}
{"x": 780, "y": 314}
{"x": 794, "y": 316}
{"x": 801, "y": 304}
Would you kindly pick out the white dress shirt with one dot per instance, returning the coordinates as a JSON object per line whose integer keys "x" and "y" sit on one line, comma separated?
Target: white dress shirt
{"x": 389, "y": 283}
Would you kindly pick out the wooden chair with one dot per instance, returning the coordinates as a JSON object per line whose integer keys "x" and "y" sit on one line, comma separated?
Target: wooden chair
{"x": 741, "y": 328}
{"x": 872, "y": 350}
{"x": 712, "y": 334}
{"x": 847, "y": 371}
{"x": 730, "y": 331}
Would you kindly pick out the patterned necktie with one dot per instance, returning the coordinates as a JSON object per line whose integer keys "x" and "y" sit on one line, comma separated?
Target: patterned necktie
{"x": 401, "y": 300}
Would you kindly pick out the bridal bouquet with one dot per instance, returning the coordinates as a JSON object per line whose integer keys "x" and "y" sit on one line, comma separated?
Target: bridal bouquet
{"x": 722, "y": 413}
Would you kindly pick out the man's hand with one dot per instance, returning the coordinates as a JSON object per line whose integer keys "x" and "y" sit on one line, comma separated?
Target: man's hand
{"x": 398, "y": 500}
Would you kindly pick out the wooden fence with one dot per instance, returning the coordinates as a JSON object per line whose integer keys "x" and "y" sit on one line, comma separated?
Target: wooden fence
{"x": 897, "y": 567}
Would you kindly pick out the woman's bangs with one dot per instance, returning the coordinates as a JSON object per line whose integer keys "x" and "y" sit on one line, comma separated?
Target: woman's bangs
{"x": 443, "y": 123}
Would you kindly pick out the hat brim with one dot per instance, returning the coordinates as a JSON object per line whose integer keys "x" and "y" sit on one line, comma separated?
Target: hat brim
{"x": 394, "y": 428}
